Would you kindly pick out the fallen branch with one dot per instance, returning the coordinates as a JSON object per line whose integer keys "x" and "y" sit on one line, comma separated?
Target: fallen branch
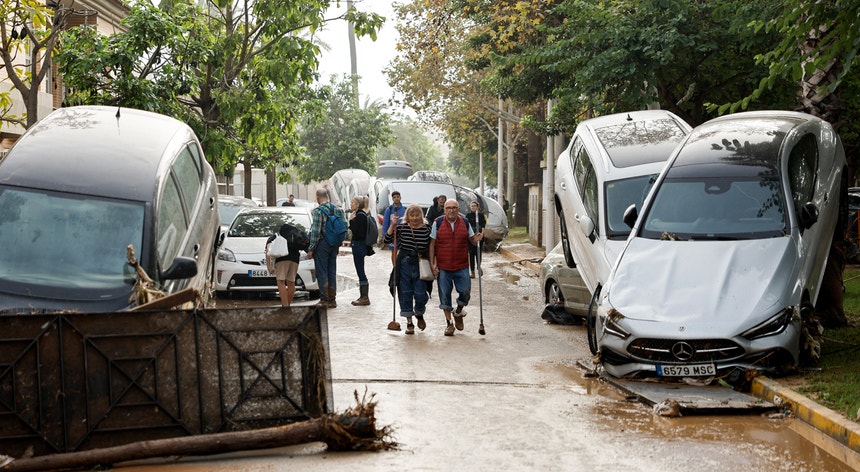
{"x": 353, "y": 430}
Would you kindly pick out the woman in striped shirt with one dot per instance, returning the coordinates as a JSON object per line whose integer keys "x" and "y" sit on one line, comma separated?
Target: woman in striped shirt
{"x": 412, "y": 241}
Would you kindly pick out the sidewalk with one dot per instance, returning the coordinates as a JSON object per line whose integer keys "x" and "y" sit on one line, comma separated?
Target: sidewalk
{"x": 827, "y": 429}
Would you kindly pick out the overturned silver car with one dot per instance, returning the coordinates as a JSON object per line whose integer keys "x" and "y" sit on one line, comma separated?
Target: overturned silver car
{"x": 726, "y": 256}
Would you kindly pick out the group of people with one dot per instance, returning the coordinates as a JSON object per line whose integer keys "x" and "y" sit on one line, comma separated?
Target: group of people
{"x": 446, "y": 239}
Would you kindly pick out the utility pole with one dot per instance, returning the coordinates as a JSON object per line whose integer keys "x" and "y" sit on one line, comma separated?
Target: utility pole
{"x": 352, "y": 55}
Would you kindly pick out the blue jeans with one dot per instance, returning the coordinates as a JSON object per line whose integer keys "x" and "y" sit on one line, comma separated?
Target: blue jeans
{"x": 325, "y": 263}
{"x": 359, "y": 252}
{"x": 450, "y": 279}
{"x": 411, "y": 288}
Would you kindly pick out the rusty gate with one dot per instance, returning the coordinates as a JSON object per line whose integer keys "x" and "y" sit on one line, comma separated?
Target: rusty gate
{"x": 72, "y": 382}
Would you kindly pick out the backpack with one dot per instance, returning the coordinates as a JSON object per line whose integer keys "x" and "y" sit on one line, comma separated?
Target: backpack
{"x": 335, "y": 228}
{"x": 372, "y": 234}
{"x": 300, "y": 240}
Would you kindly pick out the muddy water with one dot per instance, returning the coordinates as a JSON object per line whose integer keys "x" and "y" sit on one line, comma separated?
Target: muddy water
{"x": 512, "y": 399}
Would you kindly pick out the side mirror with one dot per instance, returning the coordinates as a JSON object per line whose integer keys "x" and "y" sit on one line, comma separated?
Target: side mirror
{"x": 631, "y": 214}
{"x": 587, "y": 225}
{"x": 808, "y": 215}
{"x": 221, "y": 236}
{"x": 181, "y": 268}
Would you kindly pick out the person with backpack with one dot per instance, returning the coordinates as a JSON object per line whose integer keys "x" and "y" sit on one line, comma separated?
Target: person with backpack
{"x": 328, "y": 230}
{"x": 362, "y": 228}
{"x": 450, "y": 236}
{"x": 395, "y": 209}
{"x": 285, "y": 267}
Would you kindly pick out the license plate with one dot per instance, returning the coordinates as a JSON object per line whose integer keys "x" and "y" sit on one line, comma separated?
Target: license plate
{"x": 697, "y": 370}
{"x": 260, "y": 273}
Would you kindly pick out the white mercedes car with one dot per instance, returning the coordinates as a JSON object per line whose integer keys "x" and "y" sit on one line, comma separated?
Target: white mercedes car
{"x": 241, "y": 264}
{"x": 725, "y": 259}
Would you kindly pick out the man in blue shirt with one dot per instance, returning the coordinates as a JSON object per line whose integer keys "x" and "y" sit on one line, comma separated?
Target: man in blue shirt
{"x": 324, "y": 255}
{"x": 396, "y": 208}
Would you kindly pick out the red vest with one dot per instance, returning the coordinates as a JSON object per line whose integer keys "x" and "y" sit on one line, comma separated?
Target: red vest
{"x": 452, "y": 247}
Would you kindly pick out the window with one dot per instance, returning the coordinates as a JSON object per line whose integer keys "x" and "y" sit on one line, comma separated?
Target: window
{"x": 172, "y": 225}
{"x": 187, "y": 170}
{"x": 802, "y": 164}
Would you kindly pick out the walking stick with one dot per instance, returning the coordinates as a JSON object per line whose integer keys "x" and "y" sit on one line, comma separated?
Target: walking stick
{"x": 481, "y": 330}
{"x": 394, "y": 325}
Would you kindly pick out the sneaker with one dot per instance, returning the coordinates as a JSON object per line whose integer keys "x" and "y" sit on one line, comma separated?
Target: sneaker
{"x": 449, "y": 330}
{"x": 421, "y": 323}
{"x": 410, "y": 328}
{"x": 458, "y": 321}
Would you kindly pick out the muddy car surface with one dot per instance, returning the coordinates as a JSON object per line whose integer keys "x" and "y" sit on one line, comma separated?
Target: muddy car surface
{"x": 726, "y": 258}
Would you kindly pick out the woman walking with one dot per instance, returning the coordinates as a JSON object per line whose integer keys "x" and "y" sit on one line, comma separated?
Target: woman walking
{"x": 413, "y": 241}
{"x": 358, "y": 222}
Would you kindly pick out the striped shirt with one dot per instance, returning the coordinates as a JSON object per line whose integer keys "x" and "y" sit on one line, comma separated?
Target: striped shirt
{"x": 410, "y": 239}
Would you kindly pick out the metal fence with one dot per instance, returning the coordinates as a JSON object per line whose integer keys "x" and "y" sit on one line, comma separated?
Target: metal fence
{"x": 74, "y": 382}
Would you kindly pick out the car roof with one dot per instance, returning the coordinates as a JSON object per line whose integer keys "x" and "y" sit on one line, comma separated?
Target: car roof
{"x": 420, "y": 192}
{"x": 637, "y": 137}
{"x": 236, "y": 200}
{"x": 277, "y": 209}
{"x": 95, "y": 150}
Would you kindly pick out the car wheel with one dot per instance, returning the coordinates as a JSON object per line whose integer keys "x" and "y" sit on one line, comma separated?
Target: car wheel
{"x": 565, "y": 242}
{"x": 591, "y": 322}
{"x": 553, "y": 294}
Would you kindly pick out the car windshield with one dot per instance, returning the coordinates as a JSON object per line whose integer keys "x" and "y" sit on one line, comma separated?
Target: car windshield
{"x": 717, "y": 208}
{"x": 228, "y": 211}
{"x": 620, "y": 194}
{"x": 263, "y": 225}
{"x": 57, "y": 240}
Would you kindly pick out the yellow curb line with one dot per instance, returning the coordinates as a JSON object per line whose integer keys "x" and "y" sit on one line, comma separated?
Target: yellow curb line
{"x": 826, "y": 429}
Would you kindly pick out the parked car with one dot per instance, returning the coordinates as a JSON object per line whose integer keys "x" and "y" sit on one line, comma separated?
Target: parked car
{"x": 431, "y": 176}
{"x": 725, "y": 262}
{"x": 85, "y": 183}
{"x": 566, "y": 297}
{"x": 422, "y": 193}
{"x": 610, "y": 163}
{"x": 229, "y": 206}
{"x": 394, "y": 170}
{"x": 241, "y": 263}
{"x": 338, "y": 185}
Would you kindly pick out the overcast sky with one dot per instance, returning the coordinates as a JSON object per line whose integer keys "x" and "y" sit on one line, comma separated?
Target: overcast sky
{"x": 372, "y": 56}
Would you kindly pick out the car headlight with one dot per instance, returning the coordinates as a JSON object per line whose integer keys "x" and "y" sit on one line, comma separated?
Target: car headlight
{"x": 226, "y": 255}
{"x": 611, "y": 324}
{"x": 773, "y": 326}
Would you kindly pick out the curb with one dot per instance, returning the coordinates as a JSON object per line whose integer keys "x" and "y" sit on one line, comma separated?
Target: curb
{"x": 827, "y": 429}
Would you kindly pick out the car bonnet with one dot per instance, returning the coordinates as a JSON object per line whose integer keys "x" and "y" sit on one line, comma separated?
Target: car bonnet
{"x": 708, "y": 287}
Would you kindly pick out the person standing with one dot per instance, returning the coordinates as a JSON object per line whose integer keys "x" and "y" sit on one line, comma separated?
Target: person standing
{"x": 358, "y": 222}
{"x": 477, "y": 222}
{"x": 450, "y": 236}
{"x": 413, "y": 239}
{"x": 284, "y": 267}
{"x": 396, "y": 208}
{"x": 323, "y": 254}
{"x": 289, "y": 202}
{"x": 437, "y": 209}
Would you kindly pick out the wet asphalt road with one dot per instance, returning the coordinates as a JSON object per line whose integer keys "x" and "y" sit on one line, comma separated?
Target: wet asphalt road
{"x": 512, "y": 399}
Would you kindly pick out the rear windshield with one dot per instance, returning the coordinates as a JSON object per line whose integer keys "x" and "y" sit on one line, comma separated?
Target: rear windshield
{"x": 55, "y": 240}
{"x": 263, "y": 225}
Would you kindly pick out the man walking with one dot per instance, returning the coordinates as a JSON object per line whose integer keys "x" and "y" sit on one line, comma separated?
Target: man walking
{"x": 450, "y": 236}
{"x": 396, "y": 208}
{"x": 324, "y": 254}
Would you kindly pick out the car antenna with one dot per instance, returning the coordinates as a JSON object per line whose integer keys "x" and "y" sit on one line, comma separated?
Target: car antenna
{"x": 117, "y": 112}
{"x": 629, "y": 118}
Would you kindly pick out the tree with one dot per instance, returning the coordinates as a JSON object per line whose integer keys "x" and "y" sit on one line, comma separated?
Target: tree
{"x": 412, "y": 144}
{"x": 346, "y": 136}
{"x": 239, "y": 72}
{"x": 28, "y": 35}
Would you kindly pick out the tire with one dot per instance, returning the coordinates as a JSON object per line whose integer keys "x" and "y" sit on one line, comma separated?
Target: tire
{"x": 591, "y": 323}
{"x": 553, "y": 294}
{"x": 565, "y": 243}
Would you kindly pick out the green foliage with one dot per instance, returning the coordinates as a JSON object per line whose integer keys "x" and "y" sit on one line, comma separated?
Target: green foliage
{"x": 238, "y": 72}
{"x": 345, "y": 136}
{"x": 412, "y": 144}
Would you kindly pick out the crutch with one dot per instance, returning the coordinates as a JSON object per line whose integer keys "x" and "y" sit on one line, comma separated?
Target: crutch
{"x": 394, "y": 325}
{"x": 481, "y": 330}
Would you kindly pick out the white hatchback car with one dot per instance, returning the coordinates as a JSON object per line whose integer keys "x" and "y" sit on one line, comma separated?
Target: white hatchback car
{"x": 726, "y": 257}
{"x": 241, "y": 261}
{"x": 611, "y": 162}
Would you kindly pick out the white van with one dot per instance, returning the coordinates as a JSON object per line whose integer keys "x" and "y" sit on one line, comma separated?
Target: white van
{"x": 397, "y": 170}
